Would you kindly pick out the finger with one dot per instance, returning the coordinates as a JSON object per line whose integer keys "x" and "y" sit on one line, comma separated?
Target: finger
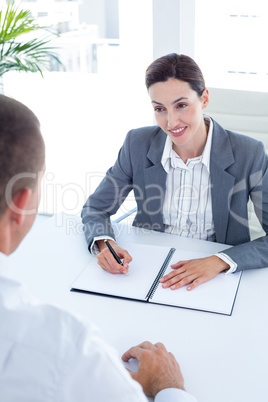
{"x": 132, "y": 373}
{"x": 108, "y": 262}
{"x": 183, "y": 282}
{"x": 146, "y": 345}
{"x": 161, "y": 346}
{"x": 132, "y": 353}
{"x": 104, "y": 264}
{"x": 108, "y": 268}
{"x": 179, "y": 264}
{"x": 179, "y": 282}
{"x": 126, "y": 258}
{"x": 135, "y": 376}
{"x": 136, "y": 351}
{"x": 198, "y": 281}
{"x": 172, "y": 274}
{"x": 122, "y": 254}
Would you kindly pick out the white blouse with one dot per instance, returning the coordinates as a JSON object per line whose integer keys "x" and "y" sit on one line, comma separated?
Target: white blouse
{"x": 187, "y": 209}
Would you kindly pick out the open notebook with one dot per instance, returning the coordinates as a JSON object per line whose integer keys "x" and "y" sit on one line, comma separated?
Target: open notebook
{"x": 149, "y": 264}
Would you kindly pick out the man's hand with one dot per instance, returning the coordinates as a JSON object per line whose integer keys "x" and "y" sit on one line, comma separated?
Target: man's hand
{"x": 193, "y": 272}
{"x": 158, "y": 369}
{"x": 107, "y": 261}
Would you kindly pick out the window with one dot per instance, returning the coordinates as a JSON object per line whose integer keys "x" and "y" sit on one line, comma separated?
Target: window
{"x": 86, "y": 111}
{"x": 230, "y": 39}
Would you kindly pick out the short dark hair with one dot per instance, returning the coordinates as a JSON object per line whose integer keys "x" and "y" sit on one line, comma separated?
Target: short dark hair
{"x": 177, "y": 66}
{"x": 22, "y": 149}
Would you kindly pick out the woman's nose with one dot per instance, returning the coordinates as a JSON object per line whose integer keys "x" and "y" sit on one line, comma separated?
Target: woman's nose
{"x": 173, "y": 120}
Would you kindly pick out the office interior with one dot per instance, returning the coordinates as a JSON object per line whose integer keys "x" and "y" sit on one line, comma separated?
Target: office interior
{"x": 105, "y": 46}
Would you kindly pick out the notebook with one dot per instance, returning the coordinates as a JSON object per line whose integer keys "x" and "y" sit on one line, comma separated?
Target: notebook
{"x": 149, "y": 264}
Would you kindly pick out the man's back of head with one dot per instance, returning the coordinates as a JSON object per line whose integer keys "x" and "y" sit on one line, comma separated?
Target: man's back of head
{"x": 22, "y": 155}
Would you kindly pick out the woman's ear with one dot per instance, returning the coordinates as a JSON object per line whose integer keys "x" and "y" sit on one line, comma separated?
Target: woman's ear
{"x": 19, "y": 204}
{"x": 205, "y": 98}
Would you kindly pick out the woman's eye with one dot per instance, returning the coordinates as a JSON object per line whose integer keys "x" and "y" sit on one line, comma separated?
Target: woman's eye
{"x": 158, "y": 109}
{"x": 181, "y": 105}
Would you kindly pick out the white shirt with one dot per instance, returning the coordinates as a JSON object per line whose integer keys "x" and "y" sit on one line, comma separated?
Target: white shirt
{"x": 48, "y": 355}
{"x": 187, "y": 209}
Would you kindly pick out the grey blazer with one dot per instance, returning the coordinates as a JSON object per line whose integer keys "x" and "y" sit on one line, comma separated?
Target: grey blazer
{"x": 238, "y": 168}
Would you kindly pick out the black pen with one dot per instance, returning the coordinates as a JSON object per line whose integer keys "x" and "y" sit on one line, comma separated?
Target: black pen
{"x": 114, "y": 253}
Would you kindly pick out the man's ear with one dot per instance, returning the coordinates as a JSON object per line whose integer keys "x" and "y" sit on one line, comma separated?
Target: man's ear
{"x": 19, "y": 204}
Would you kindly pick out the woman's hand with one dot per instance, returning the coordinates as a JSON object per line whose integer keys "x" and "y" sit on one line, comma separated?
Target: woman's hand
{"x": 193, "y": 272}
{"x": 107, "y": 261}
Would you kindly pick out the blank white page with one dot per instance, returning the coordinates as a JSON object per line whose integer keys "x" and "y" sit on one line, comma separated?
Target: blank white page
{"x": 146, "y": 263}
{"x": 217, "y": 295}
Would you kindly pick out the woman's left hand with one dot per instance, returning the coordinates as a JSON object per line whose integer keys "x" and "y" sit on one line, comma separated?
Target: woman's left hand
{"x": 193, "y": 272}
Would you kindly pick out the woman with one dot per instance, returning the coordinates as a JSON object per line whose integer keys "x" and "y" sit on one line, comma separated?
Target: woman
{"x": 190, "y": 177}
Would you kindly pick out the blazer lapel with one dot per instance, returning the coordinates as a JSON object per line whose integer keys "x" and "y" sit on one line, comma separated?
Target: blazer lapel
{"x": 155, "y": 181}
{"x": 222, "y": 182}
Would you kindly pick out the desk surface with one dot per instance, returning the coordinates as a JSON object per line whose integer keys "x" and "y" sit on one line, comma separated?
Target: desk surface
{"x": 222, "y": 358}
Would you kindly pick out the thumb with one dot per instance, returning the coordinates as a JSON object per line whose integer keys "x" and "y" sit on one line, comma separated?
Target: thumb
{"x": 133, "y": 375}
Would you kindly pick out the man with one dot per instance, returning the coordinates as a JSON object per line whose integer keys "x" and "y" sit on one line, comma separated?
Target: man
{"x": 47, "y": 354}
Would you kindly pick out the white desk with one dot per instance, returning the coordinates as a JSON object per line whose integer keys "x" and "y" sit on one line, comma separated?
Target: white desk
{"x": 223, "y": 359}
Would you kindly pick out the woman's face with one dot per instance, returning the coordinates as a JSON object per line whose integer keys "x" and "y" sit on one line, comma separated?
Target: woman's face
{"x": 179, "y": 112}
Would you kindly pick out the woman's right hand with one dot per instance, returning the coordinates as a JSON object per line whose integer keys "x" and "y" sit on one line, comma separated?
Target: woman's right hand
{"x": 107, "y": 261}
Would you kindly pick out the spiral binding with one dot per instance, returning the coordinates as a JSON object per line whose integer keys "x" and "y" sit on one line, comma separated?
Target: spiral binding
{"x": 161, "y": 272}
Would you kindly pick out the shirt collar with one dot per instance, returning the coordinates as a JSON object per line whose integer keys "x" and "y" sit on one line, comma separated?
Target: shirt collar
{"x": 205, "y": 157}
{"x": 207, "y": 149}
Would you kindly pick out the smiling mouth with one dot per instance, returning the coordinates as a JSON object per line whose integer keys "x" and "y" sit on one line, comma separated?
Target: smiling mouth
{"x": 178, "y": 132}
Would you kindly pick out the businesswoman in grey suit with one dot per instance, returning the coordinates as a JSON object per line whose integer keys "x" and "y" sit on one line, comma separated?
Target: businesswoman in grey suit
{"x": 190, "y": 177}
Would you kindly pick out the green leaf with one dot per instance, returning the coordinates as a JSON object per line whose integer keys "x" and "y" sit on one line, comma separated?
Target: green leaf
{"x": 32, "y": 55}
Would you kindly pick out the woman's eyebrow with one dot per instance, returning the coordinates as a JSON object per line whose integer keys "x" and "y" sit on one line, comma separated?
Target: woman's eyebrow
{"x": 158, "y": 103}
{"x": 175, "y": 101}
{"x": 179, "y": 99}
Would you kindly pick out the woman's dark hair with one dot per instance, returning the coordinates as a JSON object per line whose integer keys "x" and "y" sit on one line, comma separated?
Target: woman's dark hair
{"x": 177, "y": 66}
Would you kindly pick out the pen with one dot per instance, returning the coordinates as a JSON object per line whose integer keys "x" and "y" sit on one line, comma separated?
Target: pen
{"x": 114, "y": 253}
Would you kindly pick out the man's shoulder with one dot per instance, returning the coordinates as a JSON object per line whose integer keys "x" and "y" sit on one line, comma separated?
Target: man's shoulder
{"x": 37, "y": 326}
{"x": 40, "y": 345}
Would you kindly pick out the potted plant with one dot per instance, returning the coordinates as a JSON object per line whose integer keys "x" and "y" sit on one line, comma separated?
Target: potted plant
{"x": 30, "y": 55}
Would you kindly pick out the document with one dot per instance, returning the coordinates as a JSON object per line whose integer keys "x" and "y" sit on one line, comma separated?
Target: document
{"x": 149, "y": 264}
